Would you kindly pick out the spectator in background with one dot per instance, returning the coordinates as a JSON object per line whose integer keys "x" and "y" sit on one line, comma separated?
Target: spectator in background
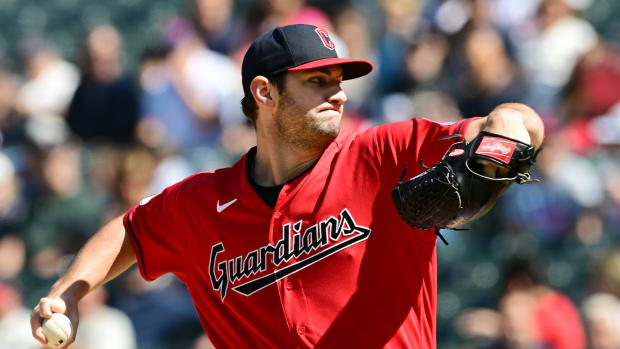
{"x": 14, "y": 331}
{"x": 135, "y": 174}
{"x": 431, "y": 81}
{"x": 401, "y": 20}
{"x": 513, "y": 16}
{"x": 145, "y": 303}
{"x": 572, "y": 183}
{"x": 552, "y": 51}
{"x": 13, "y": 209}
{"x": 11, "y": 124}
{"x": 535, "y": 315}
{"x": 287, "y": 12}
{"x": 215, "y": 24}
{"x": 189, "y": 93}
{"x": 12, "y": 256}
{"x": 595, "y": 84}
{"x": 426, "y": 58}
{"x": 493, "y": 78}
{"x": 49, "y": 82}
{"x": 531, "y": 316}
{"x": 105, "y": 104}
{"x": 350, "y": 24}
{"x": 591, "y": 102}
{"x": 65, "y": 215}
{"x": 609, "y": 269}
{"x": 428, "y": 92}
{"x": 103, "y": 327}
{"x": 602, "y": 315}
{"x": 266, "y": 14}
{"x": 13, "y": 215}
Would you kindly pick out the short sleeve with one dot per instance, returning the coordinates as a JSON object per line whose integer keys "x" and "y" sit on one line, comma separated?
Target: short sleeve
{"x": 157, "y": 233}
{"x": 404, "y": 144}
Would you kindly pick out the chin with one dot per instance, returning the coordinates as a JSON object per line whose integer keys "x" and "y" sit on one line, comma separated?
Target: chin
{"x": 321, "y": 134}
{"x": 330, "y": 127}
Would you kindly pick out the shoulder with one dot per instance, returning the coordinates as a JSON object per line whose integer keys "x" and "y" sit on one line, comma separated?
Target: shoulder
{"x": 208, "y": 179}
{"x": 404, "y": 129}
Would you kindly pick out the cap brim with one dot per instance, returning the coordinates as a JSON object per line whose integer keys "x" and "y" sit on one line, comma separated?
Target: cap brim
{"x": 351, "y": 68}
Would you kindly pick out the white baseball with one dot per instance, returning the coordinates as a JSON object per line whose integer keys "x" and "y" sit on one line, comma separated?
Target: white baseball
{"x": 57, "y": 330}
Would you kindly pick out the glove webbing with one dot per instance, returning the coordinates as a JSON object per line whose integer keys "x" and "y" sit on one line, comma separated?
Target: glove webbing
{"x": 437, "y": 230}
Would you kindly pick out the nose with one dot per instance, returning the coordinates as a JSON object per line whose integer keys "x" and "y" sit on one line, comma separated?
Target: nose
{"x": 339, "y": 97}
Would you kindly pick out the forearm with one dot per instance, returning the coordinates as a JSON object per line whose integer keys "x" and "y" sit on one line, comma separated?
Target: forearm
{"x": 107, "y": 254}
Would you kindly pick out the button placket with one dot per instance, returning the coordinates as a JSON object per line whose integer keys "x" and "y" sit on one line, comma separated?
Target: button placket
{"x": 277, "y": 213}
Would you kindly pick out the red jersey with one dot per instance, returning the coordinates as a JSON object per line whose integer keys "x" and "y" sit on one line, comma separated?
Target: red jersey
{"x": 331, "y": 266}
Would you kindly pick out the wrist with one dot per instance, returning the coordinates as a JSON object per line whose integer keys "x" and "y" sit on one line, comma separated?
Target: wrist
{"x": 70, "y": 294}
{"x": 508, "y": 122}
{"x": 517, "y": 121}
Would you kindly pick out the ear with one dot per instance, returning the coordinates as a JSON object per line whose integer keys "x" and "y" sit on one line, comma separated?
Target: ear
{"x": 264, "y": 93}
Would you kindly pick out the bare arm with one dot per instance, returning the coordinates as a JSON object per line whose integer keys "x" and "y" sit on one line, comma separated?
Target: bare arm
{"x": 514, "y": 120}
{"x": 106, "y": 255}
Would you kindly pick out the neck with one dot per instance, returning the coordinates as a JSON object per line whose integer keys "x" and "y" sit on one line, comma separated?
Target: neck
{"x": 277, "y": 163}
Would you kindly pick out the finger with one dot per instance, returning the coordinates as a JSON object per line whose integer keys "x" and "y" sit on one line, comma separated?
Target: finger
{"x": 48, "y": 306}
{"x": 58, "y": 306}
{"x": 45, "y": 308}
{"x": 35, "y": 326}
{"x": 40, "y": 336}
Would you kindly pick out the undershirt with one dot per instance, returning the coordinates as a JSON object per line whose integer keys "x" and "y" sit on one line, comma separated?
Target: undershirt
{"x": 268, "y": 194}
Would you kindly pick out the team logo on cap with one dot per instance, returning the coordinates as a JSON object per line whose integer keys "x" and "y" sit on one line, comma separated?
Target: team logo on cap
{"x": 327, "y": 42}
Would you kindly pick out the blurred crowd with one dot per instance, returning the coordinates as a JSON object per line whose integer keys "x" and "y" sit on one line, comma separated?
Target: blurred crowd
{"x": 84, "y": 137}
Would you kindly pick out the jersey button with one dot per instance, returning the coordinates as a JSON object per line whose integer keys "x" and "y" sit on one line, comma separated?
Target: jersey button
{"x": 276, "y": 215}
{"x": 301, "y": 330}
{"x": 289, "y": 285}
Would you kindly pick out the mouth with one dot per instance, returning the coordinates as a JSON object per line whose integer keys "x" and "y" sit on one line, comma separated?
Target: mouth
{"x": 330, "y": 114}
{"x": 331, "y": 110}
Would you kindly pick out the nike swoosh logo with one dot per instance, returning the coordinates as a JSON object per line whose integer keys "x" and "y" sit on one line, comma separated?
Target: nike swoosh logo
{"x": 221, "y": 208}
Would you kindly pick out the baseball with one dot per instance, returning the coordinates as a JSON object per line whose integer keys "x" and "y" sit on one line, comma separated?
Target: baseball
{"x": 57, "y": 330}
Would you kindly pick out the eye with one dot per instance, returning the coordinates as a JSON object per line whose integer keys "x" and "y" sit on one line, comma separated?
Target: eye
{"x": 317, "y": 80}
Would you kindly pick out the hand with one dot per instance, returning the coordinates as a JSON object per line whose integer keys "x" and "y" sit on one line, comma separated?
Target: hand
{"x": 516, "y": 121}
{"x": 44, "y": 310}
{"x": 508, "y": 121}
{"x": 513, "y": 120}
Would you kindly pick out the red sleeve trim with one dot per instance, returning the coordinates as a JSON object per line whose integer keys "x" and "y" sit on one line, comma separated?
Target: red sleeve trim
{"x": 465, "y": 124}
{"x": 127, "y": 222}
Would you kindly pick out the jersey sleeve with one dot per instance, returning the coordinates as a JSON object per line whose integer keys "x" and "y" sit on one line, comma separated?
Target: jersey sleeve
{"x": 405, "y": 144}
{"x": 157, "y": 233}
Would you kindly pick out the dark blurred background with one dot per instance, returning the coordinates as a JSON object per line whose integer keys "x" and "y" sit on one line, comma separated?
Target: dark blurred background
{"x": 105, "y": 103}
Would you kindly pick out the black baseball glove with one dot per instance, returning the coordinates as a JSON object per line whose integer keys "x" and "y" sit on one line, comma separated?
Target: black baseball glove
{"x": 455, "y": 190}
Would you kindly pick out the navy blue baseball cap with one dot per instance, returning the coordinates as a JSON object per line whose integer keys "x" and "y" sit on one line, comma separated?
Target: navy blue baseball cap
{"x": 296, "y": 47}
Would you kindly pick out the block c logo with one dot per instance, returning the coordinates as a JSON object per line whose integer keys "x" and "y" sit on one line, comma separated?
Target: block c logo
{"x": 327, "y": 42}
